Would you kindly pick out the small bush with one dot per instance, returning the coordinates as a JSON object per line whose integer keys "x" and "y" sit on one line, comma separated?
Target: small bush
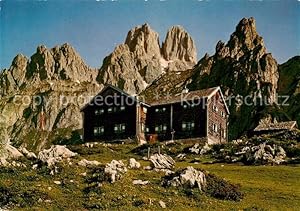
{"x": 5, "y": 196}
{"x": 138, "y": 203}
{"x": 96, "y": 177}
{"x": 221, "y": 189}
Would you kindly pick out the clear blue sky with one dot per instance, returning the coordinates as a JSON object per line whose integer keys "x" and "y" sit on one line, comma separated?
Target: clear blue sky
{"x": 94, "y": 28}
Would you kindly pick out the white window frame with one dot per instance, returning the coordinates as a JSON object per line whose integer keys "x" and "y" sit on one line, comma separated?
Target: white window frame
{"x": 145, "y": 110}
{"x": 188, "y": 126}
{"x": 215, "y": 108}
{"x": 215, "y": 127}
{"x": 120, "y": 128}
{"x": 98, "y": 131}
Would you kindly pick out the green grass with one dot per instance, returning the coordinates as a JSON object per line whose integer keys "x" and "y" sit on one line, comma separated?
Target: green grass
{"x": 264, "y": 187}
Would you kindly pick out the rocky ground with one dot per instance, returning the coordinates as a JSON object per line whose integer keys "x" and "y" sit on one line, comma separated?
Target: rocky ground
{"x": 181, "y": 176}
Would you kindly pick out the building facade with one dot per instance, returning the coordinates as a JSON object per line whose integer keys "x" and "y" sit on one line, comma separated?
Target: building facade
{"x": 199, "y": 114}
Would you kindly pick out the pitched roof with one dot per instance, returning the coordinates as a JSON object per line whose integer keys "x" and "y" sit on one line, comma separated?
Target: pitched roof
{"x": 117, "y": 90}
{"x": 192, "y": 95}
{"x": 277, "y": 126}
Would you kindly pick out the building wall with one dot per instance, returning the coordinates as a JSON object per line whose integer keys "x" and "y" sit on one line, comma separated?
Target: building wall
{"x": 109, "y": 119}
{"x": 188, "y": 115}
{"x": 217, "y": 123}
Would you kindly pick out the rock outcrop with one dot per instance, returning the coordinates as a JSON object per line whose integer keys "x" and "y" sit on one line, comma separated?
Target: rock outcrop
{"x": 88, "y": 163}
{"x": 133, "y": 164}
{"x": 162, "y": 162}
{"x": 242, "y": 67}
{"x": 46, "y": 92}
{"x": 289, "y": 87}
{"x": 140, "y": 60}
{"x": 55, "y": 154}
{"x": 188, "y": 177}
{"x": 179, "y": 45}
{"x": 115, "y": 169}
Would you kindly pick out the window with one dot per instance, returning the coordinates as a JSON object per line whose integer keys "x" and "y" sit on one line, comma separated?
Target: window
{"x": 188, "y": 126}
{"x": 119, "y": 128}
{"x": 98, "y": 131}
{"x": 223, "y": 133}
{"x": 145, "y": 110}
{"x": 160, "y": 109}
{"x": 147, "y": 129}
{"x": 143, "y": 128}
{"x": 161, "y": 128}
{"x": 223, "y": 114}
{"x": 110, "y": 110}
{"x": 189, "y": 105}
{"x": 215, "y": 128}
{"x": 122, "y": 108}
{"x": 215, "y": 108}
{"x": 99, "y": 111}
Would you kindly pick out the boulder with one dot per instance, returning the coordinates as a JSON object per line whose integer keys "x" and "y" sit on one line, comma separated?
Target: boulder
{"x": 55, "y": 154}
{"x": 27, "y": 154}
{"x": 140, "y": 182}
{"x": 162, "y": 162}
{"x": 133, "y": 164}
{"x": 195, "y": 149}
{"x": 188, "y": 177}
{"x": 115, "y": 169}
{"x": 181, "y": 156}
{"x": 200, "y": 150}
{"x": 162, "y": 204}
{"x": 86, "y": 163}
{"x": 12, "y": 153}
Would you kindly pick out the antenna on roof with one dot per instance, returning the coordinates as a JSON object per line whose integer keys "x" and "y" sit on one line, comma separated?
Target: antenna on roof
{"x": 185, "y": 90}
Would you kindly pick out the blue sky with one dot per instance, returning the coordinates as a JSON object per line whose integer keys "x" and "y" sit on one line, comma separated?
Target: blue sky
{"x": 94, "y": 28}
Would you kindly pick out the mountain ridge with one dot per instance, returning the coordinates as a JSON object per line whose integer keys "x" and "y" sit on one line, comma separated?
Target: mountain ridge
{"x": 242, "y": 66}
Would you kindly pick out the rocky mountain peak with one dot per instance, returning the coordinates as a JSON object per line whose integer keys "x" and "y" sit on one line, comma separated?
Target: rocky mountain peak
{"x": 179, "y": 45}
{"x": 59, "y": 63}
{"x": 244, "y": 40}
{"x": 134, "y": 65}
{"x": 143, "y": 40}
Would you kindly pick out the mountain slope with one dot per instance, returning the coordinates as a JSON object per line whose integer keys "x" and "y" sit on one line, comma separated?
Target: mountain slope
{"x": 41, "y": 97}
{"x": 289, "y": 85}
{"x": 242, "y": 67}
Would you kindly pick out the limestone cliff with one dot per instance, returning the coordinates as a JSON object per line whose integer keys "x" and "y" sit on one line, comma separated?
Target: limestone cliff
{"x": 135, "y": 64}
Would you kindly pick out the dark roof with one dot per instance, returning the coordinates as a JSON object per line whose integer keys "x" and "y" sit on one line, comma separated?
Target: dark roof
{"x": 118, "y": 90}
{"x": 192, "y": 95}
{"x": 276, "y": 126}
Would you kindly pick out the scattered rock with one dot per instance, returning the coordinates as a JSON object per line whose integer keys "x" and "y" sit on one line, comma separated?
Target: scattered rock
{"x": 35, "y": 166}
{"x": 83, "y": 174}
{"x": 147, "y": 168}
{"x": 133, "y": 164}
{"x": 3, "y": 162}
{"x": 162, "y": 204}
{"x": 181, "y": 156}
{"x": 140, "y": 182}
{"x": 55, "y": 154}
{"x": 115, "y": 169}
{"x": 162, "y": 162}
{"x": 57, "y": 182}
{"x": 200, "y": 150}
{"x": 188, "y": 177}
{"x": 195, "y": 149}
{"x": 86, "y": 163}
{"x": 27, "y": 154}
